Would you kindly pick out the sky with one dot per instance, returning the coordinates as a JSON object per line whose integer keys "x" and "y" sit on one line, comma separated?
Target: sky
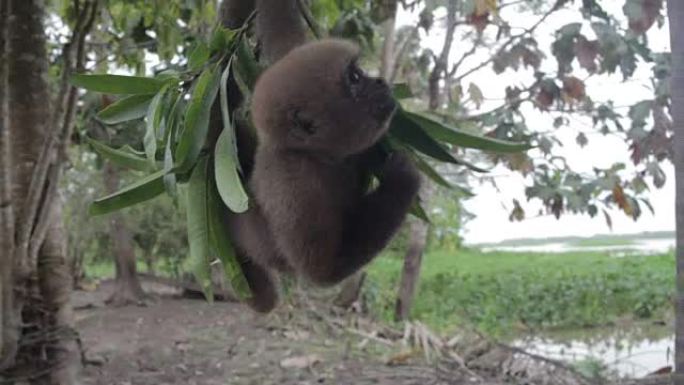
{"x": 492, "y": 205}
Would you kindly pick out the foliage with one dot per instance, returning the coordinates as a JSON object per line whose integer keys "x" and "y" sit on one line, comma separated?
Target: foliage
{"x": 177, "y": 106}
{"x": 158, "y": 227}
{"x": 501, "y": 292}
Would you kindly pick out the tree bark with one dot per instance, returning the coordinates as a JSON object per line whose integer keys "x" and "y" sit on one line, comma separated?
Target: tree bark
{"x": 55, "y": 283}
{"x": 676, "y": 18}
{"x": 411, "y": 270}
{"x": 419, "y": 229}
{"x": 26, "y": 97}
{"x": 7, "y": 328}
{"x": 127, "y": 288}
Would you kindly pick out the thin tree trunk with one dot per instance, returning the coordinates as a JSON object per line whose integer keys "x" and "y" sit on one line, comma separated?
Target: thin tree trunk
{"x": 411, "y": 270}
{"x": 676, "y": 18}
{"x": 7, "y": 328}
{"x": 127, "y": 288}
{"x": 55, "y": 283}
{"x": 419, "y": 229}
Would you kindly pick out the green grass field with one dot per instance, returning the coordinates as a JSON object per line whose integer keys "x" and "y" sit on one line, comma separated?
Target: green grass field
{"x": 501, "y": 292}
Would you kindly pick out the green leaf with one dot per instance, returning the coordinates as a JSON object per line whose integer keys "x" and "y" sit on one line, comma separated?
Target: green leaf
{"x": 140, "y": 191}
{"x": 118, "y": 84}
{"x": 448, "y": 134}
{"x": 197, "y": 119}
{"x": 122, "y": 157}
{"x": 226, "y": 160}
{"x": 410, "y": 133}
{"x": 431, "y": 172}
{"x": 199, "y": 56}
{"x": 154, "y": 115}
{"x": 218, "y": 236}
{"x": 247, "y": 69}
{"x": 125, "y": 109}
{"x": 226, "y": 174}
{"x": 169, "y": 176}
{"x": 198, "y": 227}
{"x": 222, "y": 39}
{"x": 401, "y": 91}
{"x": 418, "y": 211}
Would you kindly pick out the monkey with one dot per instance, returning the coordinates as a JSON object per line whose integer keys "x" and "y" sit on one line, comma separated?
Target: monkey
{"x": 316, "y": 115}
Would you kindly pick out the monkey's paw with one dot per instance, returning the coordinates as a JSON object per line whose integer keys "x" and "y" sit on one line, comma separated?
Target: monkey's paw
{"x": 400, "y": 171}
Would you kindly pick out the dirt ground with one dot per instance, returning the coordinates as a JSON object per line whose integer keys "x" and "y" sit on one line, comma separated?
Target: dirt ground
{"x": 173, "y": 341}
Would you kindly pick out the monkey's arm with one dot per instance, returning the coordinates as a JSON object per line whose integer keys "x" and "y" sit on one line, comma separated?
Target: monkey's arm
{"x": 326, "y": 243}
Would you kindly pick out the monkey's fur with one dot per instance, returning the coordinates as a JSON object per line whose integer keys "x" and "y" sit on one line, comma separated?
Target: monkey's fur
{"x": 316, "y": 114}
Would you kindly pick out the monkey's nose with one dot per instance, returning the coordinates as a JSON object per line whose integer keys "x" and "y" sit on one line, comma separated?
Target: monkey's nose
{"x": 385, "y": 107}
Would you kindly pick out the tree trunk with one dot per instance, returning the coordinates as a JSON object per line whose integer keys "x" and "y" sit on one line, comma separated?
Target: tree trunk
{"x": 419, "y": 229}
{"x": 7, "y": 328}
{"x": 676, "y": 18}
{"x": 55, "y": 283}
{"x": 38, "y": 338}
{"x": 127, "y": 288}
{"x": 411, "y": 270}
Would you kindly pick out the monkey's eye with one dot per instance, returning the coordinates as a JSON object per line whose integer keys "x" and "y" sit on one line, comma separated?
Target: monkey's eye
{"x": 354, "y": 74}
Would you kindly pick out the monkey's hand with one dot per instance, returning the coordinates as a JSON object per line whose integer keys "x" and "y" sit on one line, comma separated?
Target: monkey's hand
{"x": 399, "y": 174}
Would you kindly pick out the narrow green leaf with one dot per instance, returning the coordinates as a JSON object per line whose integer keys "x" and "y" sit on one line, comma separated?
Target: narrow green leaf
{"x": 425, "y": 167}
{"x": 226, "y": 174}
{"x": 118, "y": 84}
{"x": 453, "y": 135}
{"x": 401, "y": 91}
{"x": 410, "y": 133}
{"x": 418, "y": 211}
{"x": 197, "y": 119}
{"x": 226, "y": 161}
{"x": 154, "y": 115}
{"x": 122, "y": 157}
{"x": 222, "y": 39}
{"x": 247, "y": 69}
{"x": 140, "y": 191}
{"x": 218, "y": 236}
{"x": 169, "y": 176}
{"x": 198, "y": 227}
{"x": 125, "y": 109}
{"x": 199, "y": 56}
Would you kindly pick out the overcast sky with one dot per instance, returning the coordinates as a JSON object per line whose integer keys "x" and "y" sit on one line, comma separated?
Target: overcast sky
{"x": 493, "y": 206}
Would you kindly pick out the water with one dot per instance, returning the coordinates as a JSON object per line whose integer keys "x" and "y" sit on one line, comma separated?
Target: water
{"x": 633, "y": 352}
{"x": 643, "y": 246}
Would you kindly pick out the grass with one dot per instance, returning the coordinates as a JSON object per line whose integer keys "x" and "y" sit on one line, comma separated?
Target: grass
{"x": 501, "y": 292}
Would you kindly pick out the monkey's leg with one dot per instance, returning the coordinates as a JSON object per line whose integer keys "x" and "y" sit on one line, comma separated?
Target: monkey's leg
{"x": 262, "y": 284}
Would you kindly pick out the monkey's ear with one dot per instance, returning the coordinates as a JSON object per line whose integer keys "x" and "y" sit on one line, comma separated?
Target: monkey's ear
{"x": 302, "y": 127}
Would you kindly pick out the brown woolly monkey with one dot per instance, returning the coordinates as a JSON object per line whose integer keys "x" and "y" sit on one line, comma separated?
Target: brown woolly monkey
{"x": 316, "y": 114}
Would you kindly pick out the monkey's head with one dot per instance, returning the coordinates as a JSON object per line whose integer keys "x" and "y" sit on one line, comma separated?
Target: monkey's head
{"x": 317, "y": 99}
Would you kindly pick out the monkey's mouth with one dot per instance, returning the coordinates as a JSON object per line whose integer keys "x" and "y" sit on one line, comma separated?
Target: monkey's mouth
{"x": 383, "y": 108}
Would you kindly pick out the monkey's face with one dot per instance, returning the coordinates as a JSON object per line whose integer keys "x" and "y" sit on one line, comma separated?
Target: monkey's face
{"x": 317, "y": 99}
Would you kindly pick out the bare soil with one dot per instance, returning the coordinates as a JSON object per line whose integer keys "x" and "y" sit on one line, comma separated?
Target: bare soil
{"x": 173, "y": 340}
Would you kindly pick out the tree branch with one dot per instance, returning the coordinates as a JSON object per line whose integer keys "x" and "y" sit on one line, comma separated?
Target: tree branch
{"x": 510, "y": 41}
